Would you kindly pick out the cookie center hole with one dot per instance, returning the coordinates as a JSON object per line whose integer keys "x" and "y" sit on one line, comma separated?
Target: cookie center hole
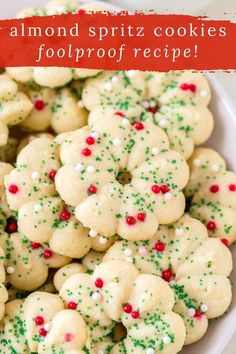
{"x": 124, "y": 177}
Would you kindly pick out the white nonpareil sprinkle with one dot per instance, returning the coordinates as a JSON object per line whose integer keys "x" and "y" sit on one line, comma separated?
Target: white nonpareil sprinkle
{"x": 155, "y": 150}
{"x": 96, "y": 296}
{"x": 102, "y": 240}
{"x": 37, "y": 208}
{"x": 191, "y": 312}
{"x": 150, "y": 351}
{"x": 128, "y": 252}
{"x": 179, "y": 231}
{"x": 10, "y": 270}
{"x": 114, "y": 79}
{"x": 143, "y": 250}
{"x": 47, "y": 327}
{"x": 80, "y": 103}
{"x": 204, "y": 308}
{"x": 108, "y": 86}
{"x": 197, "y": 162}
{"x": 78, "y": 167}
{"x": 204, "y": 93}
{"x": 35, "y": 175}
{"x": 145, "y": 104}
{"x": 132, "y": 73}
{"x": 125, "y": 121}
{"x": 168, "y": 196}
{"x": 152, "y": 104}
{"x": 215, "y": 168}
{"x": 166, "y": 340}
{"x": 129, "y": 259}
{"x": 90, "y": 169}
{"x": 116, "y": 142}
{"x": 95, "y": 135}
{"x": 163, "y": 123}
{"x": 60, "y": 9}
{"x": 93, "y": 233}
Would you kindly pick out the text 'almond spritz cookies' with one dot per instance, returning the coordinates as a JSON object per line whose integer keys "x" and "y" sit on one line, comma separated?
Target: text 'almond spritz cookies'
{"x": 212, "y": 191}
{"x": 177, "y": 102}
{"x": 143, "y": 303}
{"x": 122, "y": 178}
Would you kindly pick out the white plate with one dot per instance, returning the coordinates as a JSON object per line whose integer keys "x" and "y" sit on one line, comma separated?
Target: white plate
{"x": 224, "y": 140}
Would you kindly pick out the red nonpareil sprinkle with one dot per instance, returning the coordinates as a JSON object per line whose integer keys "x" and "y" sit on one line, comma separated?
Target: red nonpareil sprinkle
{"x": 167, "y": 275}
{"x": 198, "y": 314}
{"x": 141, "y": 217}
{"x": 11, "y": 228}
{"x": 90, "y": 140}
{"x": 39, "y": 105}
{"x": 192, "y": 88}
{"x": 65, "y": 215}
{"x": 13, "y": 189}
{"x": 153, "y": 110}
{"x": 99, "y": 283}
{"x": 156, "y": 189}
{"x": 39, "y": 320}
{"x": 232, "y": 187}
{"x": 35, "y": 245}
{"x": 119, "y": 113}
{"x": 159, "y": 246}
{"x": 42, "y": 332}
{"x": 214, "y": 188}
{"x": 164, "y": 188}
{"x": 86, "y": 152}
{"x": 138, "y": 125}
{"x": 69, "y": 337}
{"x": 184, "y": 86}
{"x": 52, "y": 175}
{"x": 225, "y": 241}
{"x": 92, "y": 189}
{"x": 127, "y": 308}
{"x": 130, "y": 220}
{"x": 81, "y": 11}
{"x": 47, "y": 253}
{"x": 211, "y": 225}
{"x": 135, "y": 314}
{"x": 72, "y": 305}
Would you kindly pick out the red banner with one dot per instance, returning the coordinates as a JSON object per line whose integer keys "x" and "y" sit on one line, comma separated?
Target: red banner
{"x": 122, "y": 41}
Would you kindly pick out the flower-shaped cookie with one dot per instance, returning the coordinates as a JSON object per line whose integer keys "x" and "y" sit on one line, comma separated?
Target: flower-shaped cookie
{"x": 122, "y": 178}
{"x": 15, "y": 106}
{"x": 212, "y": 190}
{"x": 177, "y": 101}
{"x": 143, "y": 303}
{"x": 195, "y": 266}
{"x": 42, "y": 216}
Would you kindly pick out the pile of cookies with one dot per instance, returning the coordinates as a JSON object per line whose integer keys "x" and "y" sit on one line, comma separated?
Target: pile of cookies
{"x": 114, "y": 225}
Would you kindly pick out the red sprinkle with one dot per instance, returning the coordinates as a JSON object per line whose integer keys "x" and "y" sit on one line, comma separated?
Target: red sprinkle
{"x": 164, "y": 188}
{"x": 159, "y": 246}
{"x": 81, "y": 11}
{"x": 198, "y": 314}
{"x": 139, "y": 125}
{"x": 42, "y": 332}
{"x": 39, "y": 320}
{"x": 184, "y": 86}
{"x": 127, "y": 308}
{"x": 192, "y": 87}
{"x": 119, "y": 113}
{"x": 92, "y": 189}
{"x": 39, "y": 105}
{"x": 130, "y": 220}
{"x": 225, "y": 241}
{"x": 13, "y": 189}
{"x": 47, "y": 253}
{"x": 232, "y": 187}
{"x": 167, "y": 275}
{"x": 52, "y": 175}
{"x": 99, "y": 283}
{"x": 135, "y": 314}
{"x": 156, "y": 189}
{"x": 69, "y": 337}
{"x": 141, "y": 217}
{"x": 86, "y": 152}
{"x": 214, "y": 188}
{"x": 35, "y": 245}
{"x": 65, "y": 215}
{"x": 211, "y": 225}
{"x": 72, "y": 305}
{"x": 153, "y": 110}
{"x": 11, "y": 228}
{"x": 90, "y": 140}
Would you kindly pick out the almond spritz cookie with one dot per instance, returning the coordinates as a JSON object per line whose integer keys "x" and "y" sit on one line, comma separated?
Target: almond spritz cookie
{"x": 176, "y": 101}
{"x": 122, "y": 178}
{"x": 212, "y": 191}
{"x": 195, "y": 266}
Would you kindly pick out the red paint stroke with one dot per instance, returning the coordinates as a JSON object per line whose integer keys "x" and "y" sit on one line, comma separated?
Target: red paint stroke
{"x": 207, "y": 45}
